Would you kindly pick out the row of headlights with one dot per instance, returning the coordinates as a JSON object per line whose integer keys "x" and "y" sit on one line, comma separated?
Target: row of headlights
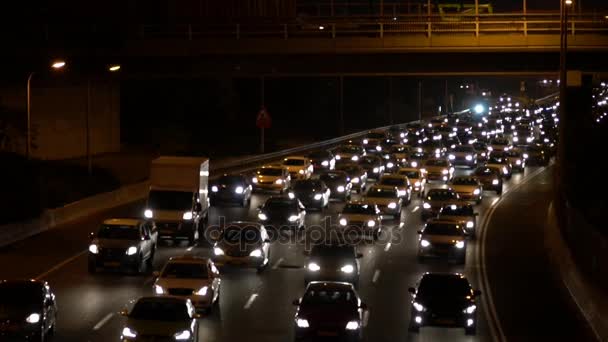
{"x": 264, "y": 217}
{"x": 370, "y": 223}
{"x": 314, "y": 267}
{"x": 180, "y": 336}
{"x": 467, "y": 157}
{"x": 238, "y": 190}
{"x": 420, "y": 308}
{"x": 303, "y": 324}
{"x": 353, "y": 158}
{"x": 159, "y": 290}
{"x": 256, "y": 253}
{"x": 94, "y": 249}
{"x": 457, "y": 244}
{"x": 188, "y": 215}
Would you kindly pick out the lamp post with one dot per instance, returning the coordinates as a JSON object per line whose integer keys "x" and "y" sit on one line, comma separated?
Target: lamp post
{"x": 57, "y": 65}
{"x": 564, "y": 4}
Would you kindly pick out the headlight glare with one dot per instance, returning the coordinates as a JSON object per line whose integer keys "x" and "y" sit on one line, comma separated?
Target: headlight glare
{"x": 424, "y": 243}
{"x": 132, "y": 250}
{"x": 313, "y": 267}
{"x": 318, "y": 197}
{"x": 159, "y": 290}
{"x": 371, "y": 223}
{"x": 187, "y": 215}
{"x": 256, "y": 253}
{"x": 239, "y": 190}
{"x": 476, "y": 192}
{"x": 293, "y": 218}
{"x": 418, "y": 307}
{"x": 459, "y": 244}
{"x": 471, "y": 309}
{"x": 343, "y": 222}
{"x": 218, "y": 251}
{"x": 93, "y": 249}
{"x": 341, "y": 188}
{"x": 470, "y": 224}
{"x": 426, "y": 205}
{"x": 347, "y": 269}
{"x": 33, "y": 318}
{"x": 182, "y": 335}
{"x": 214, "y": 189}
{"x": 302, "y": 323}
{"x": 352, "y": 325}
{"x": 148, "y": 213}
{"x": 262, "y": 216}
{"x": 128, "y": 332}
{"x": 392, "y": 205}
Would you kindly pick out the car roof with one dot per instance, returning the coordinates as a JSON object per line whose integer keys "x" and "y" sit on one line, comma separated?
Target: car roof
{"x": 188, "y": 259}
{"x": 360, "y": 202}
{"x": 383, "y": 187}
{"x": 329, "y": 285}
{"x": 123, "y": 222}
{"x": 408, "y": 169}
{"x": 296, "y": 157}
{"x": 440, "y": 276}
{"x": 173, "y": 299}
{"x": 273, "y": 166}
{"x": 393, "y": 175}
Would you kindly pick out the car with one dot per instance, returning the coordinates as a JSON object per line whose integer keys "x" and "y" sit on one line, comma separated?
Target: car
{"x": 313, "y": 193}
{"x": 490, "y": 178}
{"x": 433, "y": 147}
{"x": 451, "y": 142}
{"x": 499, "y": 144}
{"x": 329, "y": 310}
{"x": 373, "y": 165}
{"x": 357, "y": 175}
{"x": 500, "y": 160}
{"x": 414, "y": 128}
{"x": 388, "y": 143}
{"x": 463, "y": 155}
{"x": 437, "y": 122}
{"x": 374, "y": 137}
{"x": 437, "y": 169}
{"x": 126, "y": 244}
{"x": 349, "y": 152}
{"x": 271, "y": 178}
{"x": 391, "y": 163}
{"x": 339, "y": 184}
{"x": 442, "y": 238}
{"x": 462, "y": 213}
{"x": 404, "y": 187}
{"x": 534, "y": 154}
{"x": 322, "y": 160}
{"x": 299, "y": 167}
{"x": 231, "y": 189}
{"x": 482, "y": 151}
{"x": 28, "y": 310}
{"x": 516, "y": 159}
{"x": 160, "y": 318}
{"x": 400, "y": 152}
{"x": 386, "y": 198}
{"x": 467, "y": 188}
{"x": 190, "y": 277}
{"x": 444, "y": 299}
{"x": 417, "y": 159}
{"x": 242, "y": 244}
{"x": 416, "y": 178}
{"x": 363, "y": 217}
{"x": 523, "y": 133}
{"x": 435, "y": 199}
{"x": 331, "y": 261}
{"x": 280, "y": 212}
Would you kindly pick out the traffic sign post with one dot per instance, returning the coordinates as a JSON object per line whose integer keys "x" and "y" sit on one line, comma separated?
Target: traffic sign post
{"x": 263, "y": 121}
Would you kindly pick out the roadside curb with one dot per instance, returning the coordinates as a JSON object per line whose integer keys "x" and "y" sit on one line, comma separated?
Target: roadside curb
{"x": 591, "y": 301}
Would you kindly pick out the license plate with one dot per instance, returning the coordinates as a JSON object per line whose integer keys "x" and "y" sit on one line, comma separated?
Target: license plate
{"x": 111, "y": 264}
{"x": 327, "y": 333}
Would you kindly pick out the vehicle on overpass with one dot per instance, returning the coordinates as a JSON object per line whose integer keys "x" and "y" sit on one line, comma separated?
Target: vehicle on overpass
{"x": 404, "y": 187}
{"x": 357, "y": 175}
{"x": 387, "y": 199}
{"x": 490, "y": 177}
{"x": 299, "y": 167}
{"x": 467, "y": 188}
{"x": 124, "y": 244}
{"x": 178, "y": 199}
{"x": 339, "y": 184}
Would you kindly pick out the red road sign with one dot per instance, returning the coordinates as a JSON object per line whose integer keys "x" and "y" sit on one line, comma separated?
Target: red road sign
{"x": 263, "y": 120}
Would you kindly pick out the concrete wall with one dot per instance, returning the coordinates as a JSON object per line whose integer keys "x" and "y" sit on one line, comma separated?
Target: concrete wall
{"x": 58, "y": 114}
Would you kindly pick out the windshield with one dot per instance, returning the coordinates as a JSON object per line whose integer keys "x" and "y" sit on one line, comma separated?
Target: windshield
{"x": 332, "y": 176}
{"x": 170, "y": 200}
{"x": 441, "y": 195}
{"x": 160, "y": 310}
{"x": 456, "y": 210}
{"x": 382, "y": 193}
{"x": 362, "y": 209}
{"x": 392, "y": 181}
{"x": 500, "y": 142}
{"x": 231, "y": 180}
{"x": 485, "y": 171}
{"x": 118, "y": 232}
{"x": 436, "y": 162}
{"x": 442, "y": 229}
{"x": 444, "y": 286}
{"x": 237, "y": 235}
{"x": 329, "y": 251}
{"x": 307, "y": 185}
{"x": 349, "y": 149}
{"x": 464, "y": 149}
{"x": 185, "y": 270}
{"x": 464, "y": 181}
{"x": 280, "y": 204}
{"x": 410, "y": 174}
{"x": 329, "y": 297}
{"x": 270, "y": 172}
{"x": 293, "y": 162}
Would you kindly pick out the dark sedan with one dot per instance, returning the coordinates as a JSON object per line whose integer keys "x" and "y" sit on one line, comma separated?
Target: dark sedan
{"x": 339, "y": 183}
{"x": 313, "y": 193}
{"x": 322, "y": 160}
{"x": 282, "y": 212}
{"x": 373, "y": 165}
{"x": 357, "y": 175}
{"x": 231, "y": 189}
{"x": 490, "y": 178}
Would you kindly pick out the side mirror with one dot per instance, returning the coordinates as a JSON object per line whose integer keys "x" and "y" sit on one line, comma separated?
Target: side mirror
{"x": 359, "y": 255}
{"x": 363, "y": 307}
{"x": 477, "y": 293}
{"x": 124, "y": 312}
{"x": 411, "y": 290}
{"x": 155, "y": 274}
{"x": 296, "y": 302}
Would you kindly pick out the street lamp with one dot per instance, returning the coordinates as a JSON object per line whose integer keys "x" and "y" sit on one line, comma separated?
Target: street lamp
{"x": 57, "y": 65}
{"x": 114, "y": 67}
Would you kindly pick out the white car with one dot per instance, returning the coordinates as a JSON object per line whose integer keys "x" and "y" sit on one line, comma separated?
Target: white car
{"x": 190, "y": 277}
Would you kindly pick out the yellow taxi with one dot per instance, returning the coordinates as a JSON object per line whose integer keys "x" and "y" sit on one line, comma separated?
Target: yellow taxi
{"x": 299, "y": 167}
{"x": 271, "y": 178}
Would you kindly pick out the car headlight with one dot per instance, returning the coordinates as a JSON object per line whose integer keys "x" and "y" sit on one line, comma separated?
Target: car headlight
{"x": 148, "y": 213}
{"x": 218, "y": 251}
{"x": 371, "y": 223}
{"x": 365, "y": 141}
{"x": 354, "y": 158}
{"x": 414, "y": 164}
{"x": 505, "y": 171}
{"x": 302, "y": 323}
{"x": 325, "y": 163}
{"x": 376, "y": 170}
{"x": 417, "y": 184}
{"x": 355, "y": 180}
{"x": 313, "y": 267}
{"x": 341, "y": 188}
{"x": 445, "y": 172}
{"x": 495, "y": 182}
{"x": 129, "y": 333}
{"x": 301, "y": 172}
{"x": 483, "y": 154}
{"x": 214, "y": 189}
{"x": 352, "y": 325}
{"x": 347, "y": 269}
{"x": 239, "y": 190}
{"x": 318, "y": 197}
{"x": 182, "y": 335}
{"x": 33, "y": 318}
{"x": 459, "y": 244}
{"x": 293, "y": 218}
{"x": 159, "y": 290}
{"x": 262, "y": 216}
{"x": 470, "y": 224}
{"x": 476, "y": 192}
{"x": 291, "y": 195}
{"x": 490, "y": 148}
{"x": 131, "y": 250}
{"x": 426, "y": 205}
{"x": 518, "y": 162}
{"x": 390, "y": 165}
{"x": 202, "y": 291}
{"x": 392, "y": 205}
{"x": 93, "y": 249}
{"x": 471, "y": 309}
{"x": 469, "y": 158}
{"x": 343, "y": 222}
{"x": 256, "y": 253}
{"x": 378, "y": 148}
{"x": 424, "y": 243}
{"x": 254, "y": 180}
{"x": 452, "y": 157}
{"x": 418, "y": 307}
{"x": 187, "y": 215}
{"x": 338, "y": 157}
{"x": 423, "y": 170}
{"x": 401, "y": 193}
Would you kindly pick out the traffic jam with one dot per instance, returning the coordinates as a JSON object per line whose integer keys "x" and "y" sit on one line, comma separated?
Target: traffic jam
{"x": 444, "y": 166}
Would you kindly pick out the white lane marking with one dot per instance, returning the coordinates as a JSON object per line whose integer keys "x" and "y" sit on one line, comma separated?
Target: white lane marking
{"x": 416, "y": 209}
{"x": 388, "y": 246}
{"x": 488, "y": 304}
{"x": 250, "y": 301}
{"x": 366, "y": 315}
{"x": 376, "y": 276}
{"x": 103, "y": 321}
{"x": 60, "y": 265}
{"x": 277, "y": 264}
